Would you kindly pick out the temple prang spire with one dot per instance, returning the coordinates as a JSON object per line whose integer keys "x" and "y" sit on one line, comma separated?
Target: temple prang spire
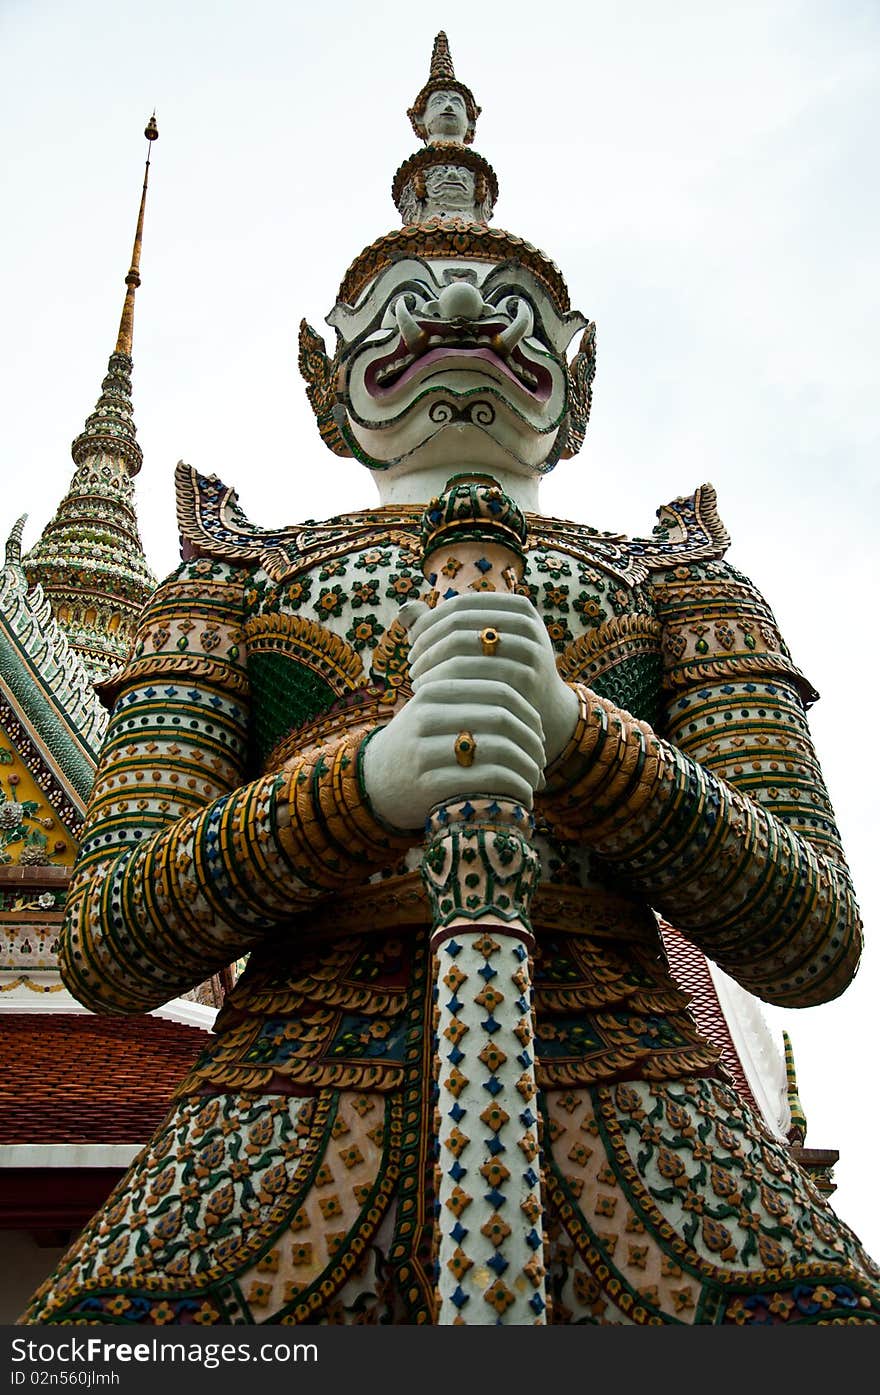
{"x": 112, "y": 420}
{"x": 90, "y": 561}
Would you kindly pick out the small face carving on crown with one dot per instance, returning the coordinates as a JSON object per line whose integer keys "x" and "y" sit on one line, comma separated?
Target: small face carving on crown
{"x": 449, "y": 187}
{"x": 445, "y": 117}
{"x": 445, "y": 191}
{"x": 446, "y": 360}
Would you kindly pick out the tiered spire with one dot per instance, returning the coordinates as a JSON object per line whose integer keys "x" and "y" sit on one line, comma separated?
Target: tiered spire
{"x": 89, "y": 560}
{"x": 445, "y": 180}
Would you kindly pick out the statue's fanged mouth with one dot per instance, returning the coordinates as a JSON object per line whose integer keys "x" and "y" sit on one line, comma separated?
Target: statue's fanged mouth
{"x": 461, "y": 340}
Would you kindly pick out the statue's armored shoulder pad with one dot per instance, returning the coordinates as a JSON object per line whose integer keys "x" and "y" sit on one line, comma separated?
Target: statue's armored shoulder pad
{"x": 689, "y": 529}
{"x": 212, "y": 524}
{"x": 716, "y": 624}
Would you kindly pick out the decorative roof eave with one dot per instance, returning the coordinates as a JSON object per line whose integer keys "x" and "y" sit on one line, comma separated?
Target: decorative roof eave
{"x": 65, "y": 774}
{"x": 45, "y": 681}
{"x": 692, "y": 972}
{"x": 46, "y": 677}
{"x": 55, "y": 1098}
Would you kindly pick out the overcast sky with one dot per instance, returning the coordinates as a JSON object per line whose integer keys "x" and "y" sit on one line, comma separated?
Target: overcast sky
{"x": 703, "y": 173}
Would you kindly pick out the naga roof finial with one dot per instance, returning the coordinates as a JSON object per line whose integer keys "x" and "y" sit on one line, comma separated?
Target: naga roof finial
{"x": 133, "y": 279}
{"x": 13, "y": 542}
{"x": 797, "y": 1131}
{"x": 438, "y": 121}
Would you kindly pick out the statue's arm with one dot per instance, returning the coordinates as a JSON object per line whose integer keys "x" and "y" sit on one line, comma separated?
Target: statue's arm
{"x": 723, "y": 820}
{"x": 185, "y": 862}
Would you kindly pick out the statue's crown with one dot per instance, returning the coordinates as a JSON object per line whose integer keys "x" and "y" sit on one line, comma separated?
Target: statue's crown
{"x": 441, "y": 78}
{"x": 445, "y": 194}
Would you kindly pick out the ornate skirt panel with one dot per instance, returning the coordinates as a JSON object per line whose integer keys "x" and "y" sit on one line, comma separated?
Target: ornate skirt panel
{"x": 607, "y": 1012}
{"x": 240, "y": 1211}
{"x": 305, "y": 1194}
{"x": 304, "y": 1205}
{"x": 670, "y": 1203}
{"x": 664, "y": 1204}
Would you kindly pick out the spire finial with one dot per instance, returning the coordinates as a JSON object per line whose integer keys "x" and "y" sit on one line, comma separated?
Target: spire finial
{"x": 435, "y": 126}
{"x": 133, "y": 279}
{"x": 441, "y": 59}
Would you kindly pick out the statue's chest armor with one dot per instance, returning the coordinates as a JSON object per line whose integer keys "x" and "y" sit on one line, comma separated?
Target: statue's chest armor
{"x": 313, "y": 636}
{"x": 603, "y": 628}
{"x": 320, "y": 634}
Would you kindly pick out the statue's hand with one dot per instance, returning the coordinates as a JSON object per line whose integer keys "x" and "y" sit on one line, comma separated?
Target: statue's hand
{"x": 411, "y": 764}
{"x": 447, "y": 641}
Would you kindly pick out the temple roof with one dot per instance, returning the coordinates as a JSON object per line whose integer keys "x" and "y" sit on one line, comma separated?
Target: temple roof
{"x": 733, "y": 1022}
{"x": 71, "y": 1078}
{"x": 48, "y": 707}
{"x": 51, "y": 726}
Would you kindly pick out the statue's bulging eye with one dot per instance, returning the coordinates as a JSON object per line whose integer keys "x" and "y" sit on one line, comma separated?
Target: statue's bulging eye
{"x": 379, "y": 335}
{"x": 415, "y": 301}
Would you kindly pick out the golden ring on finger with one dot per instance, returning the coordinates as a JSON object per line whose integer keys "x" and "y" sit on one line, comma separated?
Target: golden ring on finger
{"x": 489, "y": 639}
{"x": 465, "y": 748}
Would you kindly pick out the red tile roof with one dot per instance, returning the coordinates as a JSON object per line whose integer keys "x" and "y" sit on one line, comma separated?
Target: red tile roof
{"x": 75, "y": 1078}
{"x": 690, "y": 969}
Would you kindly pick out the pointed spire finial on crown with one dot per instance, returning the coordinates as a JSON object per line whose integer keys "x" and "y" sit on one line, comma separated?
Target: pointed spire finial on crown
{"x": 441, "y": 58}
{"x": 437, "y": 126}
{"x": 133, "y": 279}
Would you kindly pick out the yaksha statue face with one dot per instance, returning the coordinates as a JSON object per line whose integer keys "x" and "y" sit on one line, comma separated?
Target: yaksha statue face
{"x": 444, "y": 360}
{"x": 451, "y": 337}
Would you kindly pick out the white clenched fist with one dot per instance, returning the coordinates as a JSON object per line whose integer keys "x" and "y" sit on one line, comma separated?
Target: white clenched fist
{"x": 512, "y": 702}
